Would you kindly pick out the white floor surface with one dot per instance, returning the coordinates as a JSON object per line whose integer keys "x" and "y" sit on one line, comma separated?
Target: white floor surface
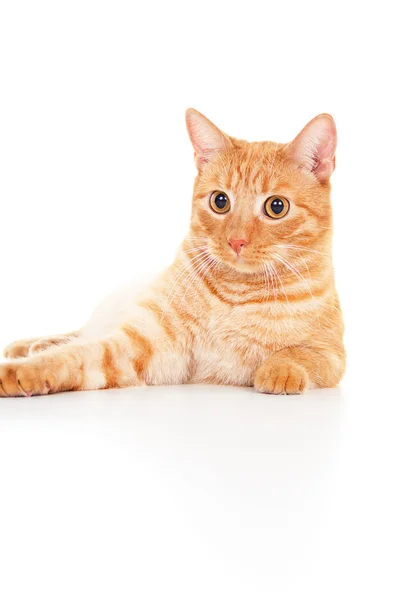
{"x": 200, "y": 492}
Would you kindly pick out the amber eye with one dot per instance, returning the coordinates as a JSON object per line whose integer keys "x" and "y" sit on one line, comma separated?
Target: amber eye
{"x": 220, "y": 202}
{"x": 276, "y": 207}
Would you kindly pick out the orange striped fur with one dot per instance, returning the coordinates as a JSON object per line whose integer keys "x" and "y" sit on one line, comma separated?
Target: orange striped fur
{"x": 268, "y": 316}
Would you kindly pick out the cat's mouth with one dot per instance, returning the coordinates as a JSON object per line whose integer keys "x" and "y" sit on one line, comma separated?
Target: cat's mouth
{"x": 243, "y": 264}
{"x": 240, "y": 262}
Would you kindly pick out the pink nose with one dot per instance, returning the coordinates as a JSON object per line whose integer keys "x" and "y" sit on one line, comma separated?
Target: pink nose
{"x": 237, "y": 245}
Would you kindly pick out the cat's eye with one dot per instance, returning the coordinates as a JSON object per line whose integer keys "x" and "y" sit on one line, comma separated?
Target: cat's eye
{"x": 220, "y": 202}
{"x": 276, "y": 207}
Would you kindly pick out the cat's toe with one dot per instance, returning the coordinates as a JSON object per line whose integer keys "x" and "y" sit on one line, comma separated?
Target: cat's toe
{"x": 17, "y": 350}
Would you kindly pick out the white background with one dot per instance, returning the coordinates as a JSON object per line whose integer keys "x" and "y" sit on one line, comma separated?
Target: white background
{"x": 193, "y": 492}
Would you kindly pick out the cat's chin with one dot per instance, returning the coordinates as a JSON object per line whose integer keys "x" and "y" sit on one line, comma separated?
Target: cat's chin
{"x": 242, "y": 265}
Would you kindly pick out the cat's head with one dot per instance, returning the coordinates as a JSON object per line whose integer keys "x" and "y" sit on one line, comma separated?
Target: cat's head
{"x": 255, "y": 201}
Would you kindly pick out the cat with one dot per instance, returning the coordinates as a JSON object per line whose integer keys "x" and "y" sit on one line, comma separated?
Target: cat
{"x": 250, "y": 299}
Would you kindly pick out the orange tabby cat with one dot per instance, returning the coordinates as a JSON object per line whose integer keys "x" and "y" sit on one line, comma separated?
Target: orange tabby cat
{"x": 249, "y": 300}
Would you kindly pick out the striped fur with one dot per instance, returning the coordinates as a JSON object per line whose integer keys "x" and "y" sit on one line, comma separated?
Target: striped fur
{"x": 269, "y": 317}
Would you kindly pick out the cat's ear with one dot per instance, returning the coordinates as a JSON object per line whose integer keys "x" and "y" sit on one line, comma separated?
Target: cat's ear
{"x": 314, "y": 148}
{"x": 207, "y": 139}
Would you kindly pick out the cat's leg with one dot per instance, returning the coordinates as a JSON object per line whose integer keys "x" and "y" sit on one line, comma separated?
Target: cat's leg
{"x": 292, "y": 370}
{"x": 22, "y": 348}
{"x": 119, "y": 360}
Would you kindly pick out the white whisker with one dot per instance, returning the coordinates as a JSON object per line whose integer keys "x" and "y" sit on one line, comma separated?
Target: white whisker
{"x": 300, "y": 277}
{"x": 179, "y": 280}
{"x": 291, "y": 246}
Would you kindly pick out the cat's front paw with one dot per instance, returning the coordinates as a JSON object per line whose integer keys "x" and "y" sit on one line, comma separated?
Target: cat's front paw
{"x": 17, "y": 349}
{"x": 281, "y": 376}
{"x": 23, "y": 379}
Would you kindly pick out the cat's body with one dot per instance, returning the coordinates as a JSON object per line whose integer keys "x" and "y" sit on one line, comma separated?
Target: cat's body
{"x": 249, "y": 300}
